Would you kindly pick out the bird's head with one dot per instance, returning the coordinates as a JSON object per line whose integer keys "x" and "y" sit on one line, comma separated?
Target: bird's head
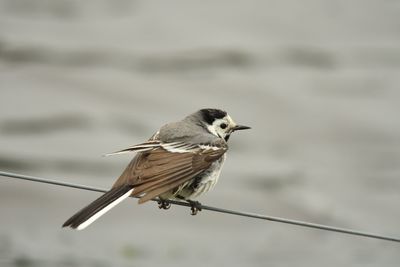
{"x": 219, "y": 123}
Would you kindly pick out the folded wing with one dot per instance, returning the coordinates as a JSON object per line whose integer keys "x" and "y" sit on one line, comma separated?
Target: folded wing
{"x": 167, "y": 166}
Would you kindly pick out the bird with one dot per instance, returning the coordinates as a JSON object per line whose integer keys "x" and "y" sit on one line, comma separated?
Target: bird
{"x": 181, "y": 161}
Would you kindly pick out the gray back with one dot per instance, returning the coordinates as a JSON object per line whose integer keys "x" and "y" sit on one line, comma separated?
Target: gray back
{"x": 192, "y": 130}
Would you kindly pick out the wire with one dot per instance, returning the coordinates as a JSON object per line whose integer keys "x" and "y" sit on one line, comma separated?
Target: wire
{"x": 215, "y": 209}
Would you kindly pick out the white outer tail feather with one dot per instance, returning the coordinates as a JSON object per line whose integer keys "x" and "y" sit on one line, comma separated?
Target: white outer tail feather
{"x": 103, "y": 211}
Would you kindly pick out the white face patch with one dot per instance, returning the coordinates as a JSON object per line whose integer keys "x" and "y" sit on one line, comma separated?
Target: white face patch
{"x": 219, "y": 131}
{"x": 212, "y": 130}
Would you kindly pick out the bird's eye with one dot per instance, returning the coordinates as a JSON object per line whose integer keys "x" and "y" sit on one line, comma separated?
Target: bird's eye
{"x": 223, "y": 125}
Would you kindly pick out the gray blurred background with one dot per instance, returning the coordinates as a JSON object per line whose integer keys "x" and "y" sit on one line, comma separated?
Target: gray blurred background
{"x": 317, "y": 80}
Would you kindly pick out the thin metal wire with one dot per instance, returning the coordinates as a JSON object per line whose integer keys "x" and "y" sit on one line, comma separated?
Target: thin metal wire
{"x": 221, "y": 210}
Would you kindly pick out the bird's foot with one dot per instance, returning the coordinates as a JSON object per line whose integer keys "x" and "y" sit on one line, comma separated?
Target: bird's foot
{"x": 163, "y": 204}
{"x": 195, "y": 206}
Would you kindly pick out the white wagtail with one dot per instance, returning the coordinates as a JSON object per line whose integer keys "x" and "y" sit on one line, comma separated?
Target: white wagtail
{"x": 181, "y": 161}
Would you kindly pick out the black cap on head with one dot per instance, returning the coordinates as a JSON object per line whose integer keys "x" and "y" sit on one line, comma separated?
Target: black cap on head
{"x": 210, "y": 115}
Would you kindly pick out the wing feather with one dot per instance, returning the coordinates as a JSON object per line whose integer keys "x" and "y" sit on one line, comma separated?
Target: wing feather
{"x": 137, "y": 148}
{"x": 161, "y": 167}
{"x": 149, "y": 185}
{"x": 165, "y": 188}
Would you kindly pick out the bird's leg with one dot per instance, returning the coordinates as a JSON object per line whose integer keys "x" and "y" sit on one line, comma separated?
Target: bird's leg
{"x": 195, "y": 206}
{"x": 163, "y": 204}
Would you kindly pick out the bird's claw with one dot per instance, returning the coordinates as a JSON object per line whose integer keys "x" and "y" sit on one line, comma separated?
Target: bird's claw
{"x": 195, "y": 206}
{"x": 163, "y": 204}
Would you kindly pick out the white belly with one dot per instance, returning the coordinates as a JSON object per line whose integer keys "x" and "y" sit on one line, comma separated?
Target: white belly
{"x": 199, "y": 185}
{"x": 208, "y": 181}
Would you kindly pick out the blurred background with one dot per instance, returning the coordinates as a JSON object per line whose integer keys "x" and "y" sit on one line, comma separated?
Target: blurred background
{"x": 318, "y": 81}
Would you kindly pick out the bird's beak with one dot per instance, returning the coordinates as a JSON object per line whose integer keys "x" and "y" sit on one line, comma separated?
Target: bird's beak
{"x": 240, "y": 127}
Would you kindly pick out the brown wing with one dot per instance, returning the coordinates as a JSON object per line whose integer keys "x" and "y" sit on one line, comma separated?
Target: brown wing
{"x": 161, "y": 169}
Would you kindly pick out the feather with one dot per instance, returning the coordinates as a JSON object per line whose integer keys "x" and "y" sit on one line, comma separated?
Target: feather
{"x": 97, "y": 208}
{"x": 136, "y": 148}
{"x": 155, "y": 172}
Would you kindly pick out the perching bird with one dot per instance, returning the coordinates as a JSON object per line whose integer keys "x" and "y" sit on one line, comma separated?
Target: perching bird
{"x": 180, "y": 161}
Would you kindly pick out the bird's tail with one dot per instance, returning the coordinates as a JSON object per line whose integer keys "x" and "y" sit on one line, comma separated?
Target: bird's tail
{"x": 97, "y": 208}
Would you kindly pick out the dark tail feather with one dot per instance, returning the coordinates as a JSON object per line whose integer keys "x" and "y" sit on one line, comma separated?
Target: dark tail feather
{"x": 97, "y": 208}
